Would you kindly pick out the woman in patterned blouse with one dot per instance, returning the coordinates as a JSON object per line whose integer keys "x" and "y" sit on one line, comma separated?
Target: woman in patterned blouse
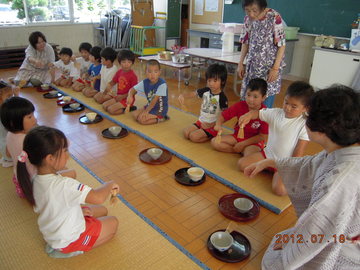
{"x": 263, "y": 47}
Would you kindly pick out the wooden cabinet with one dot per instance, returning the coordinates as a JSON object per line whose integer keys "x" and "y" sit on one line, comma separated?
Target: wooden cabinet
{"x": 333, "y": 66}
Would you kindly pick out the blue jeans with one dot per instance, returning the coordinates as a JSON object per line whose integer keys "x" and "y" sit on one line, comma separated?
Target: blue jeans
{"x": 269, "y": 101}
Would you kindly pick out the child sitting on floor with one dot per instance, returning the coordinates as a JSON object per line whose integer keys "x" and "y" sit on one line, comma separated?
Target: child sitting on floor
{"x": 254, "y": 133}
{"x": 64, "y": 70}
{"x": 92, "y": 78}
{"x": 17, "y": 116}
{"x": 5, "y": 93}
{"x": 287, "y": 133}
{"x": 125, "y": 78}
{"x": 68, "y": 228}
{"x": 156, "y": 93}
{"x": 82, "y": 65}
{"x": 213, "y": 102}
{"x": 108, "y": 70}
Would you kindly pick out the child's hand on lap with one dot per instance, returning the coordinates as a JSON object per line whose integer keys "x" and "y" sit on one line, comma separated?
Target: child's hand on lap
{"x": 86, "y": 211}
{"x": 217, "y": 128}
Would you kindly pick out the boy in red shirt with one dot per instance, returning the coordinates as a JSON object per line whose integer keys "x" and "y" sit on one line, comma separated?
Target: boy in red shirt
{"x": 255, "y": 132}
{"x": 125, "y": 78}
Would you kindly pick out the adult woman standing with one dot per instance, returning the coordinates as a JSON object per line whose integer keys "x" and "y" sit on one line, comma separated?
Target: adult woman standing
{"x": 35, "y": 68}
{"x": 263, "y": 47}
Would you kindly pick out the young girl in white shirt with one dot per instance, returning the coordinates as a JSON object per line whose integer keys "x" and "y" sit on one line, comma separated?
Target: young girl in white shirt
{"x": 68, "y": 227}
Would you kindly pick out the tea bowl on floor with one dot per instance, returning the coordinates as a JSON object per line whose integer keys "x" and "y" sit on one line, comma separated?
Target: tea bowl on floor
{"x": 195, "y": 173}
{"x": 154, "y": 153}
{"x": 243, "y": 205}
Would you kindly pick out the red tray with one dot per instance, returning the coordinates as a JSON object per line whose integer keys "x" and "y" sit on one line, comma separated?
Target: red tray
{"x": 61, "y": 103}
{"x": 165, "y": 157}
{"x": 227, "y": 208}
{"x": 39, "y": 89}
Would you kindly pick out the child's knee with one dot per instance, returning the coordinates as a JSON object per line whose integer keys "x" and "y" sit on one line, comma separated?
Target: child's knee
{"x": 242, "y": 164}
{"x": 194, "y": 137}
{"x": 214, "y": 144}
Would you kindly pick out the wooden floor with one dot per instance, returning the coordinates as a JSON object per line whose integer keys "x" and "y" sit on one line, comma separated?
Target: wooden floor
{"x": 187, "y": 214}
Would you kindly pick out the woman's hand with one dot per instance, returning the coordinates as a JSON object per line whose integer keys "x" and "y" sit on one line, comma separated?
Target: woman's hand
{"x": 273, "y": 75}
{"x": 241, "y": 71}
{"x": 255, "y": 168}
{"x": 39, "y": 64}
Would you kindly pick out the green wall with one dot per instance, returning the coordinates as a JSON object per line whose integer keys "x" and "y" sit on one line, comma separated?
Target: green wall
{"x": 331, "y": 17}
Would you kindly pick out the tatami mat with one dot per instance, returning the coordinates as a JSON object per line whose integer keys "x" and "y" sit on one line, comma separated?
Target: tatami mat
{"x": 136, "y": 245}
{"x": 221, "y": 166}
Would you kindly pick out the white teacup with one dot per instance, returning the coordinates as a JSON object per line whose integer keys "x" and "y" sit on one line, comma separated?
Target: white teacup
{"x": 115, "y": 130}
{"x": 66, "y": 98}
{"x": 53, "y": 92}
{"x": 243, "y": 205}
{"x": 74, "y": 106}
{"x": 91, "y": 116}
{"x": 154, "y": 153}
{"x": 195, "y": 173}
{"x": 45, "y": 86}
{"x": 222, "y": 241}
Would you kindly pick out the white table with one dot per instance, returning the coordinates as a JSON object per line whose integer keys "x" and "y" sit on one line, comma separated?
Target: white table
{"x": 216, "y": 55}
{"x": 169, "y": 63}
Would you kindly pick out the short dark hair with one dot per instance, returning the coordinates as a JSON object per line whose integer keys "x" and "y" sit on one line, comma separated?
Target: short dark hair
{"x": 34, "y": 38}
{"x": 85, "y": 46}
{"x": 261, "y": 3}
{"x": 335, "y": 111}
{"x": 66, "y": 51}
{"x": 257, "y": 84}
{"x": 38, "y": 143}
{"x": 108, "y": 53}
{"x": 153, "y": 62}
{"x": 13, "y": 111}
{"x": 126, "y": 55}
{"x": 300, "y": 90}
{"x": 217, "y": 71}
{"x": 95, "y": 51}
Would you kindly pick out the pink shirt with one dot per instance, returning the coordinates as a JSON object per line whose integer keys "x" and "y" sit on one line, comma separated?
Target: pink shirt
{"x": 14, "y": 144}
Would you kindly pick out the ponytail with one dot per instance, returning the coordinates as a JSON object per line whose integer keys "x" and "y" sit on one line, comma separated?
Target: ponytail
{"x": 25, "y": 182}
{"x": 38, "y": 143}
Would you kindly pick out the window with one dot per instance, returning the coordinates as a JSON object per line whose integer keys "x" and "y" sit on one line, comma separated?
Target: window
{"x": 37, "y": 11}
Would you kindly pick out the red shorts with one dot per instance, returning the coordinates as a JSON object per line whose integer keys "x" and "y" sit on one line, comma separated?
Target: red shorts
{"x": 210, "y": 132}
{"x": 270, "y": 169}
{"x": 123, "y": 102}
{"x": 87, "y": 239}
{"x": 82, "y": 81}
{"x": 261, "y": 144}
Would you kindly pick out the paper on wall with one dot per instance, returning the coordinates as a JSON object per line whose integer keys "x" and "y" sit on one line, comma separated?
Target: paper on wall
{"x": 199, "y": 7}
{"x": 212, "y": 5}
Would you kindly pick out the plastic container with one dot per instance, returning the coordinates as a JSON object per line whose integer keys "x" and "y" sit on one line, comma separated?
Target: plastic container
{"x": 228, "y": 42}
{"x": 291, "y": 32}
{"x": 235, "y": 28}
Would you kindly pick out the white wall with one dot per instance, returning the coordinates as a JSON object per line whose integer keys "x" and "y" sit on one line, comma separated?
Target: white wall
{"x": 66, "y": 35}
